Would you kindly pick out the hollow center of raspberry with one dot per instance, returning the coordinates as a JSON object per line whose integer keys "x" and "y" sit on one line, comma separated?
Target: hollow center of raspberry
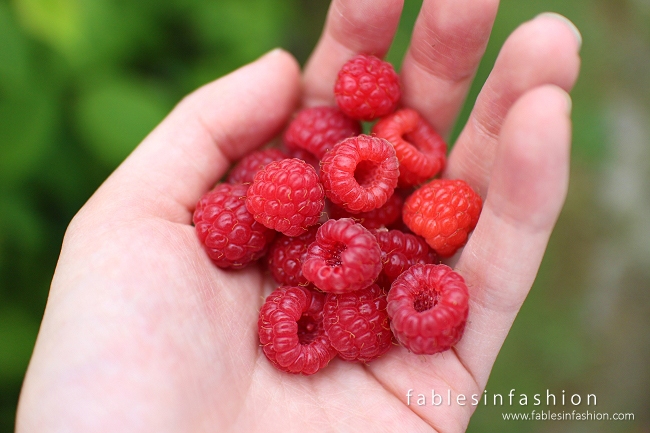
{"x": 412, "y": 138}
{"x": 334, "y": 258}
{"x": 307, "y": 329}
{"x": 419, "y": 140}
{"x": 365, "y": 172}
{"x": 425, "y": 300}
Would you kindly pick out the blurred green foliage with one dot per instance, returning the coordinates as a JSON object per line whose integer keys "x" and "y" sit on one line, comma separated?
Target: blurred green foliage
{"x": 83, "y": 81}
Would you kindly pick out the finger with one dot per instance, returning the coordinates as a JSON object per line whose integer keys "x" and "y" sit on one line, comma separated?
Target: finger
{"x": 528, "y": 188}
{"x": 448, "y": 42}
{"x": 542, "y": 51}
{"x": 352, "y": 27}
{"x": 193, "y": 147}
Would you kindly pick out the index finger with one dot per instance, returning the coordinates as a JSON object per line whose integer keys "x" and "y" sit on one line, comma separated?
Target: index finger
{"x": 352, "y": 27}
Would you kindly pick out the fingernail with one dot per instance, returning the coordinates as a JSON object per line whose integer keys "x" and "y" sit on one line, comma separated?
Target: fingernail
{"x": 568, "y": 22}
{"x": 273, "y": 52}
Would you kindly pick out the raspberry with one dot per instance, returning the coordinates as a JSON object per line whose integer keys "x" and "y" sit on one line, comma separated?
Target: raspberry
{"x": 360, "y": 173}
{"x": 308, "y": 157}
{"x": 443, "y": 212}
{"x": 428, "y": 307}
{"x": 286, "y": 256}
{"x": 419, "y": 149}
{"x": 318, "y": 129}
{"x": 248, "y": 166}
{"x": 286, "y": 196}
{"x": 344, "y": 257}
{"x": 291, "y": 330}
{"x": 357, "y": 324}
{"x": 229, "y": 233}
{"x": 400, "y": 251}
{"x": 384, "y": 216}
{"x": 367, "y": 88}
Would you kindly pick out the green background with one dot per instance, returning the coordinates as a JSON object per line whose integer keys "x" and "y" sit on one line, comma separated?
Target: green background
{"x": 83, "y": 81}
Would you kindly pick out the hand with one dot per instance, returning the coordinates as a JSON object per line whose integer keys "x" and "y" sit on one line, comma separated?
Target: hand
{"x": 142, "y": 333}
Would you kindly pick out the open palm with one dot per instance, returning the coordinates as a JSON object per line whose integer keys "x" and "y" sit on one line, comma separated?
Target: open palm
{"x": 143, "y": 333}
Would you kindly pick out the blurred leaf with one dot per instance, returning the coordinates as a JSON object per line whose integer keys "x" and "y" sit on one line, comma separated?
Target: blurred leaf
{"x": 26, "y": 123}
{"x": 17, "y": 336}
{"x": 112, "y": 30}
{"x": 56, "y": 22}
{"x": 239, "y": 34}
{"x": 227, "y": 23}
{"x": 69, "y": 178}
{"x": 116, "y": 116}
{"x": 86, "y": 32}
{"x": 19, "y": 222}
{"x": 14, "y": 66}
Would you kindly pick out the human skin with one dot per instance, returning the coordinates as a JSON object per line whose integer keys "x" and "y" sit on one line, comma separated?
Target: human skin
{"x": 143, "y": 333}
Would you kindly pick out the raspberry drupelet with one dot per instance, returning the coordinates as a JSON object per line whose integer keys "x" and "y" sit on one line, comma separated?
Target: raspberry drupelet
{"x": 390, "y": 213}
{"x": 318, "y": 129}
{"x": 428, "y": 308}
{"x": 286, "y": 196}
{"x": 357, "y": 324}
{"x": 246, "y": 169}
{"x": 421, "y": 151}
{"x": 286, "y": 255}
{"x": 400, "y": 251}
{"x": 344, "y": 257}
{"x": 360, "y": 173}
{"x": 231, "y": 236}
{"x": 367, "y": 88}
{"x": 308, "y": 157}
{"x": 443, "y": 212}
{"x": 291, "y": 330}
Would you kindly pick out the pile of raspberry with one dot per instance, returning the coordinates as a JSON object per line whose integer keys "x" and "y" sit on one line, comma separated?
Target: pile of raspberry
{"x": 351, "y": 226}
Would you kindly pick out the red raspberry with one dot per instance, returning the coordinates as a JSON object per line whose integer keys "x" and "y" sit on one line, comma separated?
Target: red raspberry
{"x": 400, "y": 251}
{"x": 345, "y": 257}
{"x": 308, "y": 157}
{"x": 229, "y": 233}
{"x": 443, "y": 212}
{"x": 357, "y": 324}
{"x": 286, "y": 196}
{"x": 291, "y": 330}
{"x": 367, "y": 88}
{"x": 360, "y": 173}
{"x": 384, "y": 216}
{"x": 286, "y": 256}
{"x": 248, "y": 166}
{"x": 428, "y": 307}
{"x": 419, "y": 149}
{"x": 318, "y": 129}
